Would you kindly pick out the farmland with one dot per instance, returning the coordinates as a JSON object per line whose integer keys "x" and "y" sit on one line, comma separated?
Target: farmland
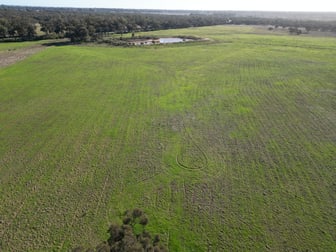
{"x": 227, "y": 145}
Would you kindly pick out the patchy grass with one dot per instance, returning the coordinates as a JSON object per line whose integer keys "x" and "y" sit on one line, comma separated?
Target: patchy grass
{"x": 228, "y": 145}
{"x": 11, "y": 46}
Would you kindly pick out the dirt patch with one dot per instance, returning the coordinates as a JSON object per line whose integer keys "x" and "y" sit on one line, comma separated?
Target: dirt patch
{"x": 10, "y": 57}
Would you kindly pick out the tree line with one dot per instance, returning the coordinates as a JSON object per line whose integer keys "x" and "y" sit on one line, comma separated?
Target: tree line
{"x": 20, "y": 23}
{"x": 31, "y": 23}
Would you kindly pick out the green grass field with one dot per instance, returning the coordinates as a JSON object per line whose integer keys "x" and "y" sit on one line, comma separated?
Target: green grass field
{"x": 228, "y": 144}
{"x": 11, "y": 46}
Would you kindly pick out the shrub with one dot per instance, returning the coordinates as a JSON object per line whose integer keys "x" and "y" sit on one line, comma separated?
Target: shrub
{"x": 131, "y": 236}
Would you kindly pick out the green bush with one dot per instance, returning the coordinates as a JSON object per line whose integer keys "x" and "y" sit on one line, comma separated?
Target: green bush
{"x": 131, "y": 236}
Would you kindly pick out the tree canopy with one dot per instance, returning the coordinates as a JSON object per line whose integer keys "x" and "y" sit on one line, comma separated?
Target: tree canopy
{"x": 29, "y": 23}
{"x": 130, "y": 236}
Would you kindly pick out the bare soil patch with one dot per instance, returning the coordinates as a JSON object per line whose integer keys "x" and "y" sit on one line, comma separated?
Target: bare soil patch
{"x": 10, "y": 57}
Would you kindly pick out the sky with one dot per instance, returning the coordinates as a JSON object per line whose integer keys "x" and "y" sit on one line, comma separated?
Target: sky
{"x": 263, "y": 5}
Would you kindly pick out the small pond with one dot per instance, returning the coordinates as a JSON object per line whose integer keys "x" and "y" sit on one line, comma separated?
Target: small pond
{"x": 172, "y": 40}
{"x": 159, "y": 41}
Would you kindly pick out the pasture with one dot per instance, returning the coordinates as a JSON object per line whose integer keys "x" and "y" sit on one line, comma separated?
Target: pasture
{"x": 227, "y": 145}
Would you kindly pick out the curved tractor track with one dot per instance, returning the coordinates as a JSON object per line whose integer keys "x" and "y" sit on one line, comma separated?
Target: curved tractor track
{"x": 194, "y": 151}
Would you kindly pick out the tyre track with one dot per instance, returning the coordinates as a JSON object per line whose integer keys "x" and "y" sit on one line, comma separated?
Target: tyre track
{"x": 198, "y": 148}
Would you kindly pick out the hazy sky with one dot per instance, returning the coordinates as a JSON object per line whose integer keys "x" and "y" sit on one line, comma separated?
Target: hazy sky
{"x": 275, "y": 5}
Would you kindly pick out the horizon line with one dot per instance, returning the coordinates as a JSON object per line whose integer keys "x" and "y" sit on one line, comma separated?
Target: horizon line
{"x": 200, "y": 10}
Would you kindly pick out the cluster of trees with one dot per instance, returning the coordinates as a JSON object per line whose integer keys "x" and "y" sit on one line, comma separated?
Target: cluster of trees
{"x": 309, "y": 25}
{"x": 89, "y": 24}
{"x": 131, "y": 236}
{"x": 17, "y": 27}
{"x": 21, "y": 23}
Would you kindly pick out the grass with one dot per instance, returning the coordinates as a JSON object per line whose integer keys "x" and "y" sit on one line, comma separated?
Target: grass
{"x": 228, "y": 145}
{"x": 10, "y": 46}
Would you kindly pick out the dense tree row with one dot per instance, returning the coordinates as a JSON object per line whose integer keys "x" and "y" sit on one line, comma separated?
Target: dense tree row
{"x": 81, "y": 24}
{"x": 24, "y": 23}
{"x": 309, "y": 25}
{"x": 17, "y": 26}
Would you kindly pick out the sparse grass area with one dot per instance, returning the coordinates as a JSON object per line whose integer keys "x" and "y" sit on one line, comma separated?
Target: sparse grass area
{"x": 228, "y": 145}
